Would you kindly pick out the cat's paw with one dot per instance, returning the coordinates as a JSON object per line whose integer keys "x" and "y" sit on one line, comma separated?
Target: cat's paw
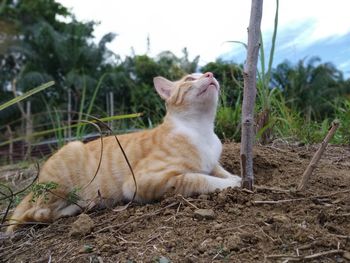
{"x": 235, "y": 180}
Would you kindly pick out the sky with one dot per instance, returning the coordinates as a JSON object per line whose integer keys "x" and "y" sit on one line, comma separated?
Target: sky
{"x": 205, "y": 27}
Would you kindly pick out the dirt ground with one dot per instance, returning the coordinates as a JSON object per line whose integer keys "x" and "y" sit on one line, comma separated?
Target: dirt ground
{"x": 272, "y": 224}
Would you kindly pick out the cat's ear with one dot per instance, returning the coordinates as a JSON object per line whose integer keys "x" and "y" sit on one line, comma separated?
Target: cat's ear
{"x": 163, "y": 87}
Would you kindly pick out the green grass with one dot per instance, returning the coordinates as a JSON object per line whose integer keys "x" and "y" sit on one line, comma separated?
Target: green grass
{"x": 54, "y": 130}
{"x": 26, "y": 95}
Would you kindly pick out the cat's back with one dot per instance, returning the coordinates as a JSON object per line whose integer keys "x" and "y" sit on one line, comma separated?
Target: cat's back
{"x": 162, "y": 143}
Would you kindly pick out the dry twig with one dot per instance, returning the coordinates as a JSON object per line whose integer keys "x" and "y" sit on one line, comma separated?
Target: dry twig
{"x": 309, "y": 257}
{"x": 317, "y": 156}
{"x": 270, "y": 202}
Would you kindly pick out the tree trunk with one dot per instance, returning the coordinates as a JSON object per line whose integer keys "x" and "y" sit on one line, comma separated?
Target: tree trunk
{"x": 249, "y": 95}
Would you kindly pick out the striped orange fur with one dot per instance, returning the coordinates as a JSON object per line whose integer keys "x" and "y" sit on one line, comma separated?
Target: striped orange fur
{"x": 181, "y": 155}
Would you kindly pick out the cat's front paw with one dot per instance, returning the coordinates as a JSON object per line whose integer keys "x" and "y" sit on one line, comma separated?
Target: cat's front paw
{"x": 235, "y": 180}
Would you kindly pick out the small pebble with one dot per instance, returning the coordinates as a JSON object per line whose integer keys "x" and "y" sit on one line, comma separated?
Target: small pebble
{"x": 204, "y": 214}
{"x": 82, "y": 226}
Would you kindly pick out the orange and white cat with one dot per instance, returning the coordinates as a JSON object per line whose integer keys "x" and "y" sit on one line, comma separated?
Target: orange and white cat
{"x": 181, "y": 155}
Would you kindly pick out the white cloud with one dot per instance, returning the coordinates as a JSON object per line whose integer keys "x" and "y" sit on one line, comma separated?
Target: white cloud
{"x": 203, "y": 26}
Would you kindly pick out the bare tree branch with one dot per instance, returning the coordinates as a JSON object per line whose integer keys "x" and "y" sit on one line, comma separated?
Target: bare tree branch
{"x": 249, "y": 94}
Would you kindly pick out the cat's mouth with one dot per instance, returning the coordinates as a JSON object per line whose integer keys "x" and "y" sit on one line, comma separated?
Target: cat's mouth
{"x": 211, "y": 85}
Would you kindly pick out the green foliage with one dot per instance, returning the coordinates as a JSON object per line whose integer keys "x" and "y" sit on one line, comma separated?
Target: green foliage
{"x": 73, "y": 196}
{"x": 309, "y": 87}
{"x": 18, "y": 198}
{"x": 228, "y": 118}
{"x": 26, "y": 95}
{"x": 42, "y": 190}
{"x": 342, "y": 113}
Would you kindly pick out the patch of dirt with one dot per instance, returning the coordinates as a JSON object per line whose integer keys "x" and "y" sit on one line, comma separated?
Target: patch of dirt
{"x": 272, "y": 224}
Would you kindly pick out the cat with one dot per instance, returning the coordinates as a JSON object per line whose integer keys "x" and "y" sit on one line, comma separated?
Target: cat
{"x": 180, "y": 156}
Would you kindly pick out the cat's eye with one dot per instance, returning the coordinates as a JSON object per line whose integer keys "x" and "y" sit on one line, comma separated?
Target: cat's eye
{"x": 190, "y": 79}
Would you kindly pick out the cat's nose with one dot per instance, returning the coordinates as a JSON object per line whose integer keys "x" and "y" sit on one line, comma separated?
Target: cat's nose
{"x": 208, "y": 75}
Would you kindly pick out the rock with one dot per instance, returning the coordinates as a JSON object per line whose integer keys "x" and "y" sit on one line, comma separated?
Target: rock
{"x": 346, "y": 255}
{"x": 203, "y": 197}
{"x": 205, "y": 245}
{"x": 234, "y": 243}
{"x": 188, "y": 210}
{"x": 82, "y": 226}
{"x": 204, "y": 214}
{"x": 217, "y": 226}
{"x": 219, "y": 239}
{"x": 85, "y": 249}
{"x": 221, "y": 197}
{"x": 280, "y": 218}
{"x": 163, "y": 259}
{"x": 234, "y": 210}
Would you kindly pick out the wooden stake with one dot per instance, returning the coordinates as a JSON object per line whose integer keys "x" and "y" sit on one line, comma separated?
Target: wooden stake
{"x": 249, "y": 94}
{"x": 69, "y": 114}
{"x": 317, "y": 156}
{"x": 111, "y": 107}
{"x": 29, "y": 129}
{"x": 11, "y": 143}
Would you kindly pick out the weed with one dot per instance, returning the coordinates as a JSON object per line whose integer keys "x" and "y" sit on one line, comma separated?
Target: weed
{"x": 42, "y": 190}
{"x": 73, "y": 196}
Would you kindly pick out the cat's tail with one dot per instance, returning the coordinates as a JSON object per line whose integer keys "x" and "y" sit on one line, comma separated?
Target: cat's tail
{"x": 27, "y": 211}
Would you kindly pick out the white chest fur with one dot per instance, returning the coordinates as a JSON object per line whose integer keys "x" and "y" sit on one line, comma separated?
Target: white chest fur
{"x": 203, "y": 138}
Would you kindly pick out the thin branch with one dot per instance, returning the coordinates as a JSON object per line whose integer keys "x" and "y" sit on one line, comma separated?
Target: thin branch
{"x": 309, "y": 257}
{"x": 298, "y": 199}
{"x": 270, "y": 202}
{"x": 317, "y": 156}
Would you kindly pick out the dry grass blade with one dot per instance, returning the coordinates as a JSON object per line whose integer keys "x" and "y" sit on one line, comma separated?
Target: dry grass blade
{"x": 124, "y": 155}
{"x": 101, "y": 152}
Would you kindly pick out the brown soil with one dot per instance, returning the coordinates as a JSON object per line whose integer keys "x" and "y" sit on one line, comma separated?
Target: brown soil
{"x": 313, "y": 223}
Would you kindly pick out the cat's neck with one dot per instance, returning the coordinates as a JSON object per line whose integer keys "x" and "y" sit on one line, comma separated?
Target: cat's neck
{"x": 199, "y": 123}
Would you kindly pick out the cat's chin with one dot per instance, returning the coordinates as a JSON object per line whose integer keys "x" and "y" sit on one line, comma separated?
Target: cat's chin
{"x": 207, "y": 89}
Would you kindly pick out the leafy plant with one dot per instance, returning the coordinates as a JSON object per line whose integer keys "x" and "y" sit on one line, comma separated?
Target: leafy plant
{"x": 42, "y": 190}
{"x": 342, "y": 113}
{"x": 73, "y": 196}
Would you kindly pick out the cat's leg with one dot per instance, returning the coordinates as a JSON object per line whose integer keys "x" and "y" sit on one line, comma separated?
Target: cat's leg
{"x": 40, "y": 210}
{"x": 153, "y": 186}
{"x": 70, "y": 210}
{"x": 219, "y": 171}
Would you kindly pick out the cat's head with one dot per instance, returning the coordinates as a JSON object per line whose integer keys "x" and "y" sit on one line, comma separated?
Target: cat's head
{"x": 194, "y": 92}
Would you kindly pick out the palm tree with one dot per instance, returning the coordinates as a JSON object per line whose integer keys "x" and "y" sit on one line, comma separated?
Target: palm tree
{"x": 309, "y": 86}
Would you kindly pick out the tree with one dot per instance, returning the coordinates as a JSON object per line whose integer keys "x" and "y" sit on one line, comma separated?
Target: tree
{"x": 48, "y": 49}
{"x": 310, "y": 86}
